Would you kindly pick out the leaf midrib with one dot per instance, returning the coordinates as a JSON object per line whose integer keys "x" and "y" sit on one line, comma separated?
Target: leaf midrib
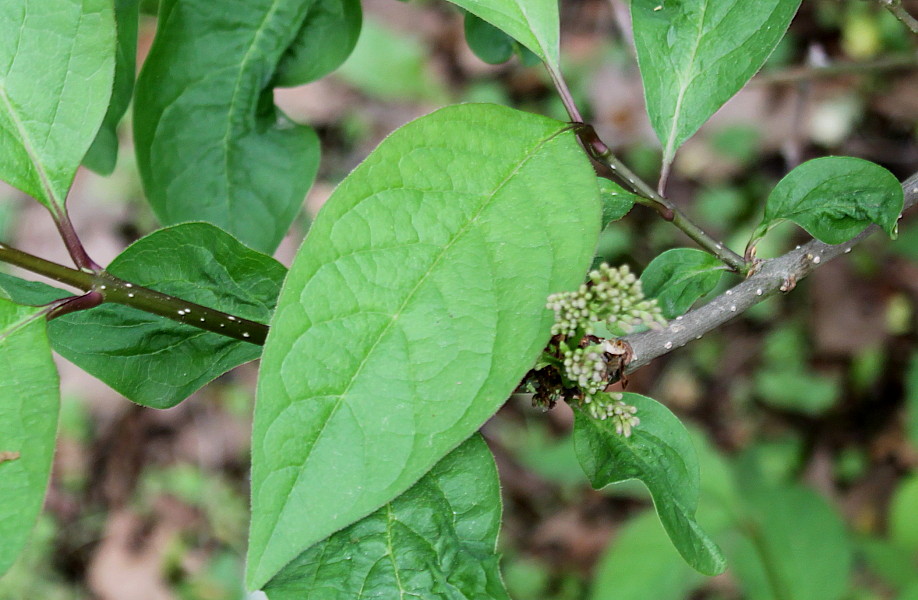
{"x": 529, "y": 155}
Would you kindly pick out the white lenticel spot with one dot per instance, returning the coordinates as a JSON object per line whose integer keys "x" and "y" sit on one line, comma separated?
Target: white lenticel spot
{"x": 668, "y": 345}
{"x": 817, "y": 259}
{"x": 733, "y": 309}
{"x": 245, "y": 335}
{"x": 758, "y": 292}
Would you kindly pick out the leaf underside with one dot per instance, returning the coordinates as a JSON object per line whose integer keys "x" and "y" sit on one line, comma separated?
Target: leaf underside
{"x": 413, "y": 309}
{"x": 533, "y": 23}
{"x": 694, "y": 55}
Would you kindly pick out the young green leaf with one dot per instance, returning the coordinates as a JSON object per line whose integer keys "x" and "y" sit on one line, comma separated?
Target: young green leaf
{"x": 795, "y": 546}
{"x": 835, "y": 198}
{"x": 57, "y": 61}
{"x": 211, "y": 145}
{"x": 911, "y": 400}
{"x": 695, "y": 54}
{"x": 103, "y": 153}
{"x": 155, "y": 361}
{"x": 29, "y": 401}
{"x": 679, "y": 277}
{"x": 533, "y": 23}
{"x": 616, "y": 201}
{"x": 660, "y": 454}
{"x": 412, "y": 310}
{"x": 438, "y": 538}
{"x": 327, "y": 37}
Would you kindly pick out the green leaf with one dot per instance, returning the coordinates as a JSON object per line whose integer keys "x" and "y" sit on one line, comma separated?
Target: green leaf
{"x": 489, "y": 43}
{"x": 616, "y": 201}
{"x": 695, "y": 54}
{"x": 834, "y": 199}
{"x": 679, "y": 277}
{"x": 797, "y": 389}
{"x": 437, "y": 540}
{"x": 903, "y": 527}
{"x": 31, "y": 293}
{"x": 392, "y": 66}
{"x": 641, "y": 563}
{"x": 57, "y": 60}
{"x": 412, "y": 310}
{"x": 29, "y": 400}
{"x": 533, "y": 23}
{"x": 327, "y": 37}
{"x": 211, "y": 145}
{"x": 103, "y": 153}
{"x": 155, "y": 361}
{"x": 660, "y": 454}
{"x": 796, "y": 547}
{"x": 911, "y": 400}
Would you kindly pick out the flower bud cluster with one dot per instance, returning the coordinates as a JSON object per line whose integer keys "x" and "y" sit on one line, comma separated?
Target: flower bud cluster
{"x": 587, "y": 367}
{"x": 610, "y": 406}
{"x": 613, "y": 296}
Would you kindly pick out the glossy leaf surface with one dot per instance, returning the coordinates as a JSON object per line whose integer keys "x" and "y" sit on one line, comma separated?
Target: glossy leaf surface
{"x": 679, "y": 277}
{"x": 835, "y": 198}
{"x": 660, "y": 454}
{"x": 211, "y": 145}
{"x": 103, "y": 153}
{"x": 57, "y": 61}
{"x": 29, "y": 400}
{"x": 412, "y": 310}
{"x": 155, "y": 361}
{"x": 437, "y": 540}
{"x": 695, "y": 54}
{"x": 533, "y": 23}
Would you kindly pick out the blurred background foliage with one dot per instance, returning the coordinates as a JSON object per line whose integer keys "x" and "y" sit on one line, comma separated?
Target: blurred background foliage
{"x": 804, "y": 409}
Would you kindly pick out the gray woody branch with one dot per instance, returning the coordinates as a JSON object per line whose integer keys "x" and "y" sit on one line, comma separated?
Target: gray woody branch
{"x": 771, "y": 277}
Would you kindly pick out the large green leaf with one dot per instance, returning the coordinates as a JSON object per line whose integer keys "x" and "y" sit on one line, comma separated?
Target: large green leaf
{"x": 155, "y": 361}
{"x": 437, "y": 540}
{"x": 660, "y": 454}
{"x": 695, "y": 54}
{"x": 29, "y": 401}
{"x": 57, "y": 61}
{"x": 413, "y": 309}
{"x": 679, "y": 277}
{"x": 533, "y": 23}
{"x": 211, "y": 145}
{"x": 795, "y": 546}
{"x": 835, "y": 198}
{"x": 103, "y": 153}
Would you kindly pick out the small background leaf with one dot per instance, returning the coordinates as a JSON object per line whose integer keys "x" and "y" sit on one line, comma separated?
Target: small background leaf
{"x": 412, "y": 310}
{"x": 695, "y": 54}
{"x": 437, "y": 540}
{"x": 211, "y": 145}
{"x": 660, "y": 454}
{"x": 29, "y": 401}
{"x": 795, "y": 546}
{"x": 533, "y": 23}
{"x": 103, "y": 153}
{"x": 155, "y": 361}
{"x": 679, "y": 277}
{"x": 835, "y": 198}
{"x": 58, "y": 59}
{"x": 328, "y": 36}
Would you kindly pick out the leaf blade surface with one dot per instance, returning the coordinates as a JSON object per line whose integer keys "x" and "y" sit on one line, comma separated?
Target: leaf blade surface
{"x": 413, "y": 309}
{"x": 56, "y": 68}
{"x": 29, "y": 402}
